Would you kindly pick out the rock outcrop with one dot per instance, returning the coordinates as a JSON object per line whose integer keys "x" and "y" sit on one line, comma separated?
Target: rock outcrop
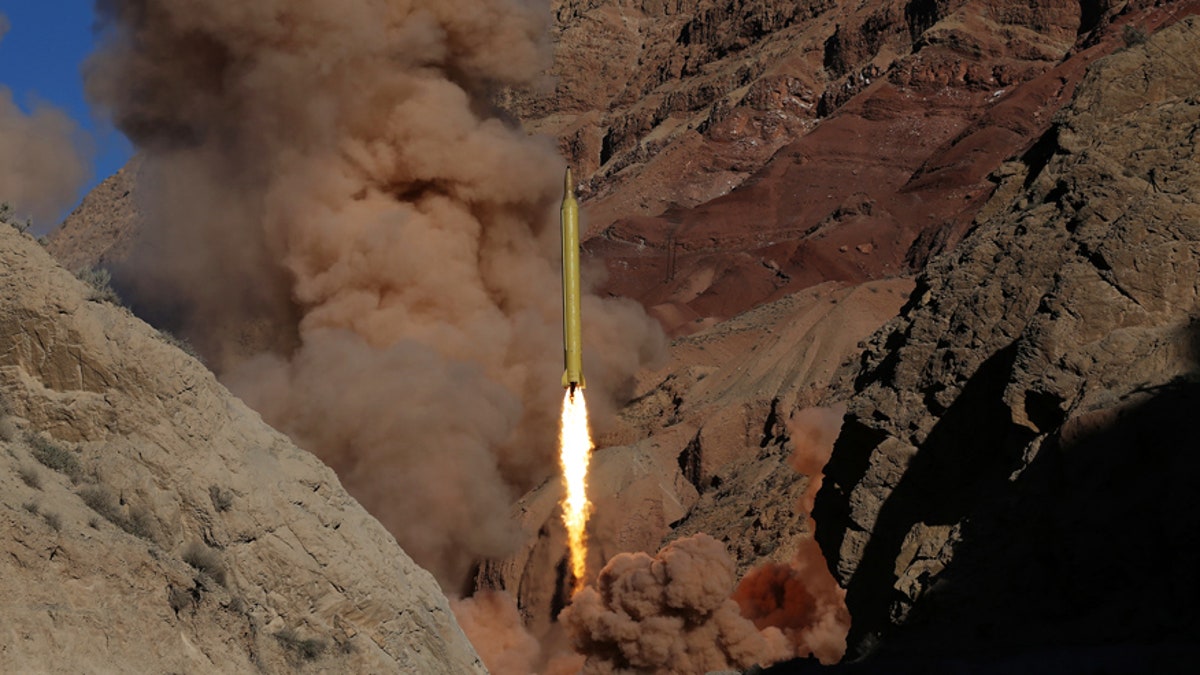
{"x": 1015, "y": 468}
{"x": 100, "y": 230}
{"x": 896, "y": 169}
{"x": 151, "y": 522}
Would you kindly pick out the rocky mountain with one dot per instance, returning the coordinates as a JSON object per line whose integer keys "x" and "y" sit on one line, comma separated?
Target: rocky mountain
{"x": 151, "y": 522}
{"x": 764, "y": 177}
{"x": 1014, "y": 470}
{"x": 917, "y": 104}
{"x": 100, "y": 230}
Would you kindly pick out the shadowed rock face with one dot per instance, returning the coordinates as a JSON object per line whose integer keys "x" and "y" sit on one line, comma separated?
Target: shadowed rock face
{"x": 151, "y": 522}
{"x": 1014, "y": 468}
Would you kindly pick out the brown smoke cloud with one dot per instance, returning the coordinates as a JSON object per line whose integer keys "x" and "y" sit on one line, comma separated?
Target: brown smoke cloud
{"x": 668, "y": 614}
{"x": 801, "y": 598}
{"x": 43, "y": 157}
{"x": 493, "y": 623}
{"x": 679, "y": 611}
{"x": 359, "y": 246}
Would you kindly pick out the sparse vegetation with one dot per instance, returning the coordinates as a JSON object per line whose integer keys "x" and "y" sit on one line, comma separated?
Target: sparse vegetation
{"x": 1133, "y": 35}
{"x": 31, "y": 507}
{"x": 100, "y": 500}
{"x": 205, "y": 560}
{"x": 30, "y": 477}
{"x": 222, "y": 498}
{"x": 180, "y": 598}
{"x": 9, "y": 218}
{"x": 100, "y": 281}
{"x": 308, "y": 649}
{"x": 8, "y": 430}
{"x": 54, "y": 456}
{"x": 53, "y": 520}
{"x": 139, "y": 523}
{"x": 179, "y": 343}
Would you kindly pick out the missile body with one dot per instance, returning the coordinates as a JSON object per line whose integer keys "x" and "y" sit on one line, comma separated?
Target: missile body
{"x": 572, "y": 326}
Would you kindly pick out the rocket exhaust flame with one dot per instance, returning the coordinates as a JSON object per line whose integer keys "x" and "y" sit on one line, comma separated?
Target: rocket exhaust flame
{"x": 575, "y": 443}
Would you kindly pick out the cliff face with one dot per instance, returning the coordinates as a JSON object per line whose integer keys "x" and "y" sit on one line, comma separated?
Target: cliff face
{"x": 664, "y": 103}
{"x": 731, "y": 153}
{"x": 1014, "y": 468}
{"x": 151, "y": 522}
{"x": 924, "y": 101}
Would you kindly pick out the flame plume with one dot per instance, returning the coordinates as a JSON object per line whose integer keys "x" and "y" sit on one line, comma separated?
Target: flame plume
{"x": 575, "y": 443}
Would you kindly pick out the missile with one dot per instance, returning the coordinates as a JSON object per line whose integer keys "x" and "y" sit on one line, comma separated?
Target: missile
{"x": 572, "y": 326}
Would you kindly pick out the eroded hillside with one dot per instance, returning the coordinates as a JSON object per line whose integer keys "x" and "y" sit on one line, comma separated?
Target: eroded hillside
{"x": 151, "y": 522}
{"x": 1014, "y": 471}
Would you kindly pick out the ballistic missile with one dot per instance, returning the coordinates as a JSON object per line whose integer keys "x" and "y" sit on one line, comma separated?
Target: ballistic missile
{"x": 572, "y": 326}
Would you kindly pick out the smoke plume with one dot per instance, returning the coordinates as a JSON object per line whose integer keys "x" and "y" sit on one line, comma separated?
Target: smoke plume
{"x": 494, "y": 625}
{"x": 43, "y": 157}
{"x": 801, "y": 598}
{"x": 367, "y": 255}
{"x": 668, "y": 614}
{"x": 679, "y": 612}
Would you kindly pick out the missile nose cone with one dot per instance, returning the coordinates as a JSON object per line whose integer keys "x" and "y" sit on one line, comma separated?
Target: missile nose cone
{"x": 568, "y": 184}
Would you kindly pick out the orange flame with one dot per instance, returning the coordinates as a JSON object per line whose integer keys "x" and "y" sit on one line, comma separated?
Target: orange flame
{"x": 575, "y": 443}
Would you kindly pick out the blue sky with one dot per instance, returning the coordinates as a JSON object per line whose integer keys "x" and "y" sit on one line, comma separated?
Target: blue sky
{"x": 40, "y": 59}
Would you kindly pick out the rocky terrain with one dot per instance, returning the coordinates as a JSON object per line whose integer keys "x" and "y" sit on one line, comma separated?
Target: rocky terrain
{"x": 100, "y": 230}
{"x": 705, "y": 447}
{"x": 151, "y": 521}
{"x": 764, "y": 177}
{"x": 923, "y": 102}
{"x": 1014, "y": 468}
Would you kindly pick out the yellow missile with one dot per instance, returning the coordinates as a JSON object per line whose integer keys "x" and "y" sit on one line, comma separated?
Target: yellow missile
{"x": 572, "y": 326}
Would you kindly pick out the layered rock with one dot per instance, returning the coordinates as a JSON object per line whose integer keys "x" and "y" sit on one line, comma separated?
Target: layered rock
{"x": 861, "y": 135}
{"x": 1014, "y": 471}
{"x": 896, "y": 170}
{"x": 151, "y": 522}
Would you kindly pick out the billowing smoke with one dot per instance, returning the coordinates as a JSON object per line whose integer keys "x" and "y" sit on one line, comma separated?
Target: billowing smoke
{"x": 679, "y": 612}
{"x": 43, "y": 157}
{"x": 360, "y": 247}
{"x": 669, "y": 614}
{"x": 495, "y": 627}
{"x": 801, "y": 598}
{"x": 813, "y": 431}
{"x": 493, "y": 623}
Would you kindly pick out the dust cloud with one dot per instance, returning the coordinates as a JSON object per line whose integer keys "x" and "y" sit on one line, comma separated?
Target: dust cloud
{"x": 669, "y": 614}
{"x": 801, "y": 598}
{"x": 43, "y": 157}
{"x": 679, "y": 612}
{"x": 360, "y": 246}
{"x": 495, "y": 628}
